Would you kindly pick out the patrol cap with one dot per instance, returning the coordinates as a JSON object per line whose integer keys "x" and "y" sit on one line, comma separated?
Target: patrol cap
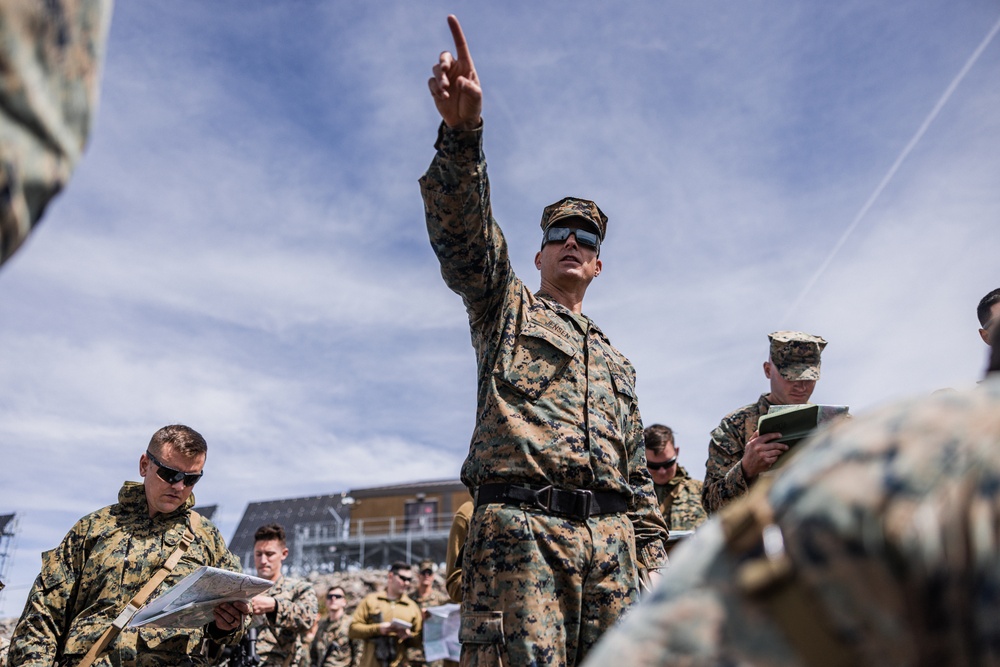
{"x": 573, "y": 207}
{"x": 796, "y": 354}
{"x": 427, "y": 565}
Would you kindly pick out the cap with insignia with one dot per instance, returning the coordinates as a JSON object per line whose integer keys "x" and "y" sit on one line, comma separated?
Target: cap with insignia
{"x": 796, "y": 354}
{"x": 572, "y": 207}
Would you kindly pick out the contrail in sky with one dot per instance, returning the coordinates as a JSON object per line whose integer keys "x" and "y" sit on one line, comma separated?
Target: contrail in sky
{"x": 892, "y": 170}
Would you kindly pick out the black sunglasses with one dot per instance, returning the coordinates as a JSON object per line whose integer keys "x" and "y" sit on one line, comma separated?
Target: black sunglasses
{"x": 661, "y": 466}
{"x": 171, "y": 476}
{"x": 560, "y": 234}
{"x": 403, "y": 577}
{"x": 330, "y": 596}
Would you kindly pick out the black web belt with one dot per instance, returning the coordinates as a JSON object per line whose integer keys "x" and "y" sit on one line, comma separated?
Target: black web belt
{"x": 572, "y": 503}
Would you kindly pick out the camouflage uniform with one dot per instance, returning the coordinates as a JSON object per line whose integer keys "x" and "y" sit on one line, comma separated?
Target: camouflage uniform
{"x": 556, "y": 406}
{"x": 724, "y": 479}
{"x": 50, "y": 56}
{"x": 365, "y": 626}
{"x": 4, "y": 645}
{"x": 331, "y": 647}
{"x": 99, "y": 566}
{"x": 680, "y": 501}
{"x": 280, "y": 632}
{"x": 881, "y": 549}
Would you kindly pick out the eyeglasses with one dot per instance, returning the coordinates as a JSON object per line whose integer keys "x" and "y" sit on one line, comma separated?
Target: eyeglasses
{"x": 662, "y": 465}
{"x": 404, "y": 578}
{"x": 331, "y": 596}
{"x": 584, "y": 238}
{"x": 171, "y": 476}
{"x": 426, "y": 573}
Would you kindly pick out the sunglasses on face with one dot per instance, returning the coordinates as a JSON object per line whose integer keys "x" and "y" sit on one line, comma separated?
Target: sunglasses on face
{"x": 333, "y": 596}
{"x": 171, "y": 476}
{"x": 560, "y": 234}
{"x": 426, "y": 573}
{"x": 661, "y": 466}
{"x": 405, "y": 578}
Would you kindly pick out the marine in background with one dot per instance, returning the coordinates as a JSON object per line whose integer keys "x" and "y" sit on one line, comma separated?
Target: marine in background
{"x": 678, "y": 494}
{"x": 737, "y": 454}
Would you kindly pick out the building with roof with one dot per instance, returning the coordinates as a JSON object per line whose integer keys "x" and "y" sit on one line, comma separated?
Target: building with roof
{"x": 359, "y": 528}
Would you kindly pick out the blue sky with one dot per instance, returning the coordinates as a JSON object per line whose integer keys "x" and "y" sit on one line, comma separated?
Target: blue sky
{"x": 242, "y": 248}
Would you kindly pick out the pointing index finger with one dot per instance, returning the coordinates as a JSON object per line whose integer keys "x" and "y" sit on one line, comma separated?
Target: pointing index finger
{"x": 461, "y": 46}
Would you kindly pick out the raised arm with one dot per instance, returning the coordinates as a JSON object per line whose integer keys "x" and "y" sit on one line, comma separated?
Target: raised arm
{"x": 455, "y": 84}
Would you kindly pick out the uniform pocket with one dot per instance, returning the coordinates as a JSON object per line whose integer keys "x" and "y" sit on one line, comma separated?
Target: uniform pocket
{"x": 539, "y": 356}
{"x": 481, "y": 635}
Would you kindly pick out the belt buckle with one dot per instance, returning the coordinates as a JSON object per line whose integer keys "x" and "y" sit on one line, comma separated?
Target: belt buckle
{"x": 545, "y": 506}
{"x": 588, "y": 501}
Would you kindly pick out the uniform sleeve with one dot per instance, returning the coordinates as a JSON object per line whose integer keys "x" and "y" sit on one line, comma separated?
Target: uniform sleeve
{"x": 297, "y": 608}
{"x": 650, "y": 529}
{"x": 724, "y": 479}
{"x": 453, "y": 559}
{"x": 463, "y": 234}
{"x": 50, "y": 58}
{"x": 40, "y": 632}
{"x": 361, "y": 628}
{"x": 224, "y": 559}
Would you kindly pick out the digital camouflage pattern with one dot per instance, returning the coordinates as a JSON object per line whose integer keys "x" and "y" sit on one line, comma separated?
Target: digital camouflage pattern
{"x": 724, "y": 478}
{"x": 556, "y": 402}
{"x": 4, "y": 645}
{"x": 680, "y": 501}
{"x": 365, "y": 626}
{"x": 889, "y": 525}
{"x": 331, "y": 647}
{"x": 573, "y": 207}
{"x": 100, "y": 565}
{"x": 50, "y": 61}
{"x": 796, "y": 354}
{"x": 533, "y": 583}
{"x": 280, "y": 633}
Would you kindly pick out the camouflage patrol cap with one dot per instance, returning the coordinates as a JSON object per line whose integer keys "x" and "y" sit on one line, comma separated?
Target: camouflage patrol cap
{"x": 427, "y": 565}
{"x": 572, "y": 207}
{"x": 796, "y": 354}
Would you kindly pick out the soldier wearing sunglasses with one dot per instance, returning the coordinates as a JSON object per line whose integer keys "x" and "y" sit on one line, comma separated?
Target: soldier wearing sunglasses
{"x": 88, "y": 580}
{"x": 556, "y": 463}
{"x": 678, "y": 494}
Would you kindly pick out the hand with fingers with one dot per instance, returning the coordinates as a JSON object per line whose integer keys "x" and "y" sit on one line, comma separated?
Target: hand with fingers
{"x": 455, "y": 84}
{"x": 760, "y": 454}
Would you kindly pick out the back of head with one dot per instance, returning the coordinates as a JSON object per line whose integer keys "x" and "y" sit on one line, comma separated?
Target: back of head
{"x": 985, "y": 307}
{"x": 270, "y": 531}
{"x": 657, "y": 437}
{"x": 184, "y": 439}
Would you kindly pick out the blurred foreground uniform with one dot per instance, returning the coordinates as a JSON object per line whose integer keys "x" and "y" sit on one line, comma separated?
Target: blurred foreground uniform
{"x": 556, "y": 409}
{"x": 279, "y": 633}
{"x": 99, "y": 566}
{"x": 50, "y": 60}
{"x": 878, "y": 544}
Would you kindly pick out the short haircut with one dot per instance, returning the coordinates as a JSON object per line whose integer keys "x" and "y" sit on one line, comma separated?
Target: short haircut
{"x": 399, "y": 565}
{"x": 985, "y": 304}
{"x": 187, "y": 441}
{"x": 270, "y": 531}
{"x": 994, "y": 365}
{"x": 336, "y": 588}
{"x": 657, "y": 437}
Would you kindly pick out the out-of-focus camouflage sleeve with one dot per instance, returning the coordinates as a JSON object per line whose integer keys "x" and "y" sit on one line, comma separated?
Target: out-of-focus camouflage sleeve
{"x": 456, "y": 542}
{"x": 465, "y": 237}
{"x": 50, "y": 60}
{"x": 650, "y": 529}
{"x": 297, "y": 607}
{"x": 686, "y": 510}
{"x": 41, "y": 630}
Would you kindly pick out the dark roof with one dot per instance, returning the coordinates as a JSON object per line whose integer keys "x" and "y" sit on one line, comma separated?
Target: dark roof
{"x": 437, "y": 486}
{"x": 4, "y": 520}
{"x": 288, "y": 513}
{"x": 208, "y": 511}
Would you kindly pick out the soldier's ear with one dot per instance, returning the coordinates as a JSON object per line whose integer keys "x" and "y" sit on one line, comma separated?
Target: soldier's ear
{"x": 538, "y": 260}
